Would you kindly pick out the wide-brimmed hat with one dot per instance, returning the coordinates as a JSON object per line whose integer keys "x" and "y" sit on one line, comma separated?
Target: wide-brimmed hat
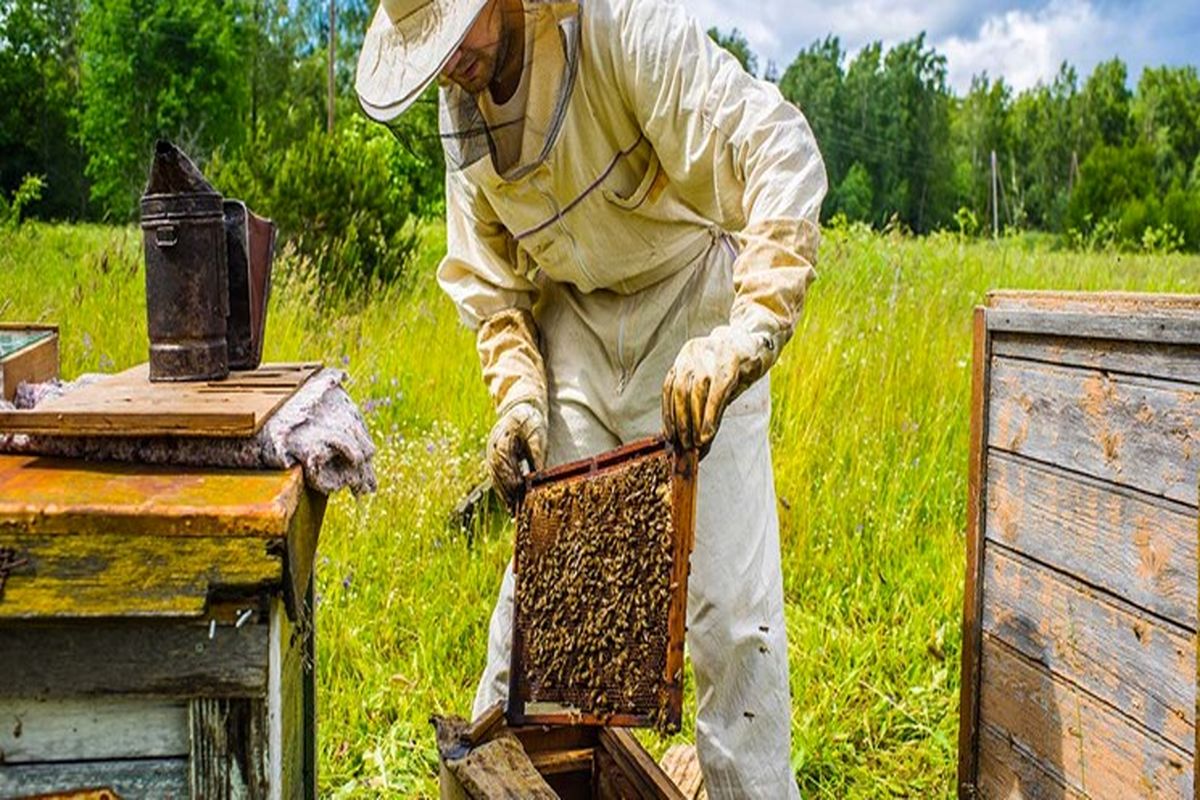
{"x": 406, "y": 46}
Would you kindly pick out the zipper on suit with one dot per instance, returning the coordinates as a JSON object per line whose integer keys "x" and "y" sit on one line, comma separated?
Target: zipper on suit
{"x": 562, "y": 226}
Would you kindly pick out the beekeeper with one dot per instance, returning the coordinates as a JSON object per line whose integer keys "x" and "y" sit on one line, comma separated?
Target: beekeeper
{"x": 631, "y": 228}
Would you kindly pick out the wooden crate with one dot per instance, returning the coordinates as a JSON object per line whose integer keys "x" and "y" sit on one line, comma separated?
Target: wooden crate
{"x": 28, "y": 353}
{"x": 1079, "y": 621}
{"x": 581, "y": 762}
{"x": 156, "y": 631}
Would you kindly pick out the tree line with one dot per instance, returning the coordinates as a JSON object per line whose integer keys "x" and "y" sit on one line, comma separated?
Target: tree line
{"x": 87, "y": 85}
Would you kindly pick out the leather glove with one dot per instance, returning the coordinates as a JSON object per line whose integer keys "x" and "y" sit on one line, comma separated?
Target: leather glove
{"x": 515, "y": 375}
{"x": 771, "y": 275}
{"x": 709, "y": 372}
{"x": 518, "y": 436}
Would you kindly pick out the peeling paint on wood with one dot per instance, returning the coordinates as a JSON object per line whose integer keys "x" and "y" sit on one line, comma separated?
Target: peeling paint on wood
{"x": 123, "y": 657}
{"x": 113, "y": 575}
{"x": 63, "y": 496}
{"x": 1139, "y": 432}
{"x": 137, "y": 779}
{"x": 1139, "y": 547}
{"x": 1142, "y": 666}
{"x": 1149, "y": 359}
{"x": 91, "y": 729}
{"x": 1097, "y": 750}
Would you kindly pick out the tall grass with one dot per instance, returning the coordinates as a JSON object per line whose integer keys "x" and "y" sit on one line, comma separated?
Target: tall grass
{"x": 870, "y": 433}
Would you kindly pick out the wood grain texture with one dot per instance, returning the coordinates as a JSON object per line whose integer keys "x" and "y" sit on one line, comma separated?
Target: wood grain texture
{"x": 110, "y": 575}
{"x": 1096, "y": 750}
{"x": 34, "y": 363}
{"x": 129, "y": 404}
{"x": 75, "y": 729}
{"x": 638, "y": 765}
{"x": 1139, "y": 547}
{"x": 228, "y": 757}
{"x": 1138, "y": 432}
{"x": 1140, "y": 328}
{"x": 1113, "y": 303}
{"x": 64, "y": 496}
{"x": 134, "y": 779}
{"x": 1148, "y": 359}
{"x": 1007, "y": 772}
{"x": 147, "y": 658}
{"x": 1140, "y": 665}
{"x": 968, "y": 703}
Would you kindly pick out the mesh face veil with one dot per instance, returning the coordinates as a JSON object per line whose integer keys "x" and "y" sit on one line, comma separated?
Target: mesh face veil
{"x": 518, "y": 133}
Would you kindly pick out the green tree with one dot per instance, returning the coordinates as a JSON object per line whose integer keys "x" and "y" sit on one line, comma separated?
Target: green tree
{"x": 1166, "y": 115}
{"x": 980, "y": 127}
{"x": 736, "y": 44}
{"x": 854, "y": 196}
{"x": 813, "y": 82}
{"x": 39, "y": 96}
{"x": 1105, "y": 103}
{"x": 159, "y": 68}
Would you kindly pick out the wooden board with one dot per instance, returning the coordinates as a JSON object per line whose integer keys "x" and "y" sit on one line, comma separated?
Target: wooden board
{"x": 147, "y": 658}
{"x": 1073, "y": 736}
{"x": 91, "y": 729}
{"x": 54, "y": 496}
{"x": 129, "y": 404}
{"x": 132, "y": 779}
{"x": 1080, "y": 611}
{"x": 28, "y": 354}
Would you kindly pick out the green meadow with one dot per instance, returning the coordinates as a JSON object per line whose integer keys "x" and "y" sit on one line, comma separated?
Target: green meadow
{"x": 870, "y": 445}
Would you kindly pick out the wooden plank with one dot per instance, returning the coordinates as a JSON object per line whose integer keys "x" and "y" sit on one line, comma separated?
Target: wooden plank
{"x": 229, "y": 759}
{"x": 968, "y": 702}
{"x": 638, "y": 765}
{"x": 562, "y": 761}
{"x": 131, "y": 779}
{"x": 683, "y": 768}
{"x": 1006, "y": 772}
{"x": 303, "y": 532}
{"x": 1141, "y": 665}
{"x": 149, "y": 658}
{"x": 290, "y": 699}
{"x": 1113, "y": 303}
{"x": 129, "y": 404}
{"x": 1138, "y": 432}
{"x": 1141, "y": 548}
{"x": 34, "y": 360}
{"x": 107, "y": 575}
{"x": 1124, "y": 327}
{"x": 1155, "y": 360}
{"x": 65, "y": 496}
{"x": 1097, "y": 751}
{"x": 98, "y": 728}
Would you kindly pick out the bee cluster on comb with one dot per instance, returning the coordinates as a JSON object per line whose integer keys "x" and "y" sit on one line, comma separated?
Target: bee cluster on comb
{"x": 594, "y": 589}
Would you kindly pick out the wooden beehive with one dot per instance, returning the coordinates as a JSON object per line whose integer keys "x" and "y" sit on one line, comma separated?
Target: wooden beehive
{"x": 580, "y": 762}
{"x": 156, "y": 631}
{"x": 28, "y": 353}
{"x": 1079, "y": 626}
{"x": 633, "y": 683}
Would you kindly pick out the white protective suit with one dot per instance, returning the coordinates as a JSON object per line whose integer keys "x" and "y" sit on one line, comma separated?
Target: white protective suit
{"x": 678, "y": 199}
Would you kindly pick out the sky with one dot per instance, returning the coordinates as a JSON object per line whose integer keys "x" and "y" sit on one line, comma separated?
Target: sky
{"x": 1022, "y": 40}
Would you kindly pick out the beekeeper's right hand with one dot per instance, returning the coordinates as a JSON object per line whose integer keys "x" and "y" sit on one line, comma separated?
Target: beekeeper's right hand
{"x": 519, "y": 435}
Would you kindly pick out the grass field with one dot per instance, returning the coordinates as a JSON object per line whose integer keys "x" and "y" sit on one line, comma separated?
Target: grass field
{"x": 870, "y": 435}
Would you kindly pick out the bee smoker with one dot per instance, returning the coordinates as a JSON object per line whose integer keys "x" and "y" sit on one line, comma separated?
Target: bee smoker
{"x": 208, "y": 267}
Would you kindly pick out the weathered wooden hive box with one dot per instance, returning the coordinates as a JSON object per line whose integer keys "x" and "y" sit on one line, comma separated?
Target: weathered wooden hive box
{"x": 28, "y": 353}
{"x": 156, "y": 636}
{"x": 1079, "y": 641}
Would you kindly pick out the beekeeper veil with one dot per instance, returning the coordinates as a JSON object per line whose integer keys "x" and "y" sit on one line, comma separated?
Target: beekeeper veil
{"x": 518, "y": 133}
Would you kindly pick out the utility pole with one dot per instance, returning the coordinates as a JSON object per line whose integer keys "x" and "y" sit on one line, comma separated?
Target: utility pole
{"x": 332, "y": 57}
{"x": 1072, "y": 173}
{"x": 995, "y": 207}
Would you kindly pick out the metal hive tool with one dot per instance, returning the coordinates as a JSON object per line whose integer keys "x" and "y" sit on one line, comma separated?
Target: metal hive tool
{"x": 601, "y": 563}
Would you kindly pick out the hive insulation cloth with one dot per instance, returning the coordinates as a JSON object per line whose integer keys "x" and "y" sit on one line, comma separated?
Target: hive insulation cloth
{"x": 319, "y": 427}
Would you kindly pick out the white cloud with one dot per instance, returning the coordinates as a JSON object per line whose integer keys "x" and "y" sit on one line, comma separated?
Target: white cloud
{"x": 1022, "y": 40}
{"x": 1026, "y": 47}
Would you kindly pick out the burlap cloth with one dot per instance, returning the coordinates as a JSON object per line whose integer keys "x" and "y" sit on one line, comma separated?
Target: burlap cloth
{"x": 319, "y": 427}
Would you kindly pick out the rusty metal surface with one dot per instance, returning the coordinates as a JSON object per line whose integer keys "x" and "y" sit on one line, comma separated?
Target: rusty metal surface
{"x": 251, "y": 246}
{"x": 187, "y": 286}
{"x": 63, "y": 496}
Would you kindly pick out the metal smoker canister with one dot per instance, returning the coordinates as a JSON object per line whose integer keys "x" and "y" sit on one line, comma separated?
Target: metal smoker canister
{"x": 187, "y": 285}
